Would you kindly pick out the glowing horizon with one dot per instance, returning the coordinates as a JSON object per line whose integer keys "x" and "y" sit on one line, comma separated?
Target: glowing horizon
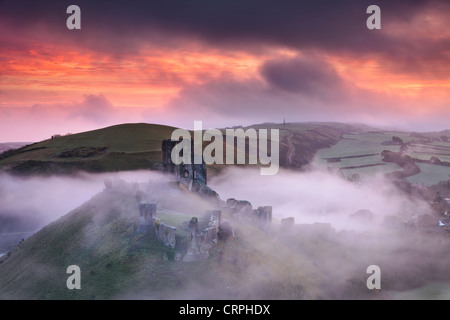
{"x": 174, "y": 71}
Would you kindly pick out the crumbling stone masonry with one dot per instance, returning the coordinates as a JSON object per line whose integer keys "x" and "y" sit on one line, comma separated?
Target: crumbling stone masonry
{"x": 201, "y": 241}
{"x": 166, "y": 235}
{"x": 210, "y": 235}
{"x": 168, "y": 165}
{"x": 287, "y": 223}
{"x": 263, "y": 218}
{"x": 194, "y": 252}
{"x": 191, "y": 173}
{"x": 242, "y": 210}
{"x": 150, "y": 223}
{"x": 147, "y": 211}
{"x": 215, "y": 218}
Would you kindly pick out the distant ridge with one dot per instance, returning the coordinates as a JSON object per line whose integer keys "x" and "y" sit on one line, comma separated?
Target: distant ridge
{"x": 5, "y": 146}
{"x": 138, "y": 146}
{"x": 115, "y": 148}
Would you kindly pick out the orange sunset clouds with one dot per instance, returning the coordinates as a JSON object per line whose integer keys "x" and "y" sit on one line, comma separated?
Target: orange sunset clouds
{"x": 226, "y": 63}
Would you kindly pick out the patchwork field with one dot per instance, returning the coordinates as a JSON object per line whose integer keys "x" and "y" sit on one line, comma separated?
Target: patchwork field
{"x": 360, "y": 153}
{"x": 430, "y": 174}
{"x": 423, "y": 151}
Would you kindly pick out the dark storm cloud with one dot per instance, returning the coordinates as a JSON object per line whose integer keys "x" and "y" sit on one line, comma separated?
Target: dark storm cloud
{"x": 258, "y": 101}
{"x": 286, "y": 85}
{"x": 299, "y": 88}
{"x": 308, "y": 76}
{"x": 324, "y": 24}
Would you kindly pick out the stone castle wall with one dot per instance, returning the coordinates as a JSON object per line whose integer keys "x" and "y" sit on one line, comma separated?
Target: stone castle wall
{"x": 148, "y": 222}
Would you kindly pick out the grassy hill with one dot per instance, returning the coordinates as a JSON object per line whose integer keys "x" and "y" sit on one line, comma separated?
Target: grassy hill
{"x": 351, "y": 148}
{"x": 138, "y": 146}
{"x": 12, "y": 145}
{"x": 304, "y": 262}
{"x": 299, "y": 142}
{"x": 116, "y": 148}
{"x": 116, "y": 262}
{"x": 308, "y": 262}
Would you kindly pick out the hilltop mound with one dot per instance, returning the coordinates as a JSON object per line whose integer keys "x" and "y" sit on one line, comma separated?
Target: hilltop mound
{"x": 117, "y": 262}
{"x": 299, "y": 261}
{"x": 138, "y": 146}
{"x": 116, "y": 148}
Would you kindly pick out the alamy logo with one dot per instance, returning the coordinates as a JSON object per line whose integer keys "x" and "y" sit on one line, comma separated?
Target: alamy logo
{"x": 74, "y": 281}
{"x": 235, "y": 139}
{"x": 374, "y": 281}
{"x": 74, "y": 21}
{"x": 374, "y": 21}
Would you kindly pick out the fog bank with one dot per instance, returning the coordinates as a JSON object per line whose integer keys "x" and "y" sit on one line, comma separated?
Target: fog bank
{"x": 316, "y": 196}
{"x": 29, "y": 203}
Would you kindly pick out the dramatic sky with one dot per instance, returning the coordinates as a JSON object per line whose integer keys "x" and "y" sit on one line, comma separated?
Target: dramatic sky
{"x": 225, "y": 62}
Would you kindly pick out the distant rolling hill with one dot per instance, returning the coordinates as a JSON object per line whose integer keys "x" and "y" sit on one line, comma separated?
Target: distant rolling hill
{"x": 138, "y": 146}
{"x": 350, "y": 148}
{"x": 12, "y": 145}
{"x": 116, "y": 262}
{"x": 116, "y": 148}
{"x": 299, "y": 142}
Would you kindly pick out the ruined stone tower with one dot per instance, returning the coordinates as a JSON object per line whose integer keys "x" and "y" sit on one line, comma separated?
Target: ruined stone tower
{"x": 188, "y": 174}
{"x": 168, "y": 165}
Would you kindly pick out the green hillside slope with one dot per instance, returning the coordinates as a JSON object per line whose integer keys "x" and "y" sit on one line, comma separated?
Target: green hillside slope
{"x": 121, "y": 147}
{"x": 305, "y": 261}
{"x": 352, "y": 149}
{"x": 138, "y": 146}
{"x": 116, "y": 262}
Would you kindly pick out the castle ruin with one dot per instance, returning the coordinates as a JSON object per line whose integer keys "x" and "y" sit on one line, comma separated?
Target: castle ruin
{"x": 200, "y": 241}
{"x": 193, "y": 176}
{"x": 202, "y": 234}
{"x": 150, "y": 223}
{"x": 147, "y": 212}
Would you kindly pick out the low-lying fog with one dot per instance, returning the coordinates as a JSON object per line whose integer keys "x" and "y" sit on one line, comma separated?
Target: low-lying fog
{"x": 29, "y": 203}
{"x": 408, "y": 260}
{"x": 316, "y": 196}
